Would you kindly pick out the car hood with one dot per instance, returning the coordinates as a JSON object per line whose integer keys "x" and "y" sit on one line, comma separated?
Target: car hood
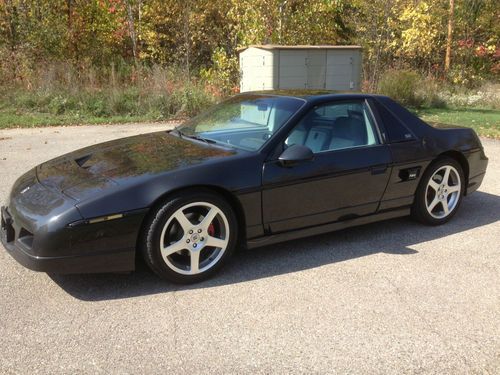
{"x": 87, "y": 171}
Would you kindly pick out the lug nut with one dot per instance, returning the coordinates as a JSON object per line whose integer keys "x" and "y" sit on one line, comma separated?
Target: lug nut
{"x": 194, "y": 245}
{"x": 202, "y": 239}
{"x": 187, "y": 241}
{"x": 191, "y": 231}
{"x": 199, "y": 230}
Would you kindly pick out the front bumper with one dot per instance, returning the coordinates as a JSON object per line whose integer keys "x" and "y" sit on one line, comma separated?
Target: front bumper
{"x": 103, "y": 261}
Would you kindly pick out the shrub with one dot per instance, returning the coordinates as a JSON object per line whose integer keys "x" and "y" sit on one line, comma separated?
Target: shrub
{"x": 195, "y": 100}
{"x": 125, "y": 102}
{"x": 429, "y": 93}
{"x": 223, "y": 76}
{"x": 61, "y": 104}
{"x": 150, "y": 92}
{"x": 96, "y": 105}
{"x": 189, "y": 100}
{"x": 401, "y": 85}
{"x": 486, "y": 96}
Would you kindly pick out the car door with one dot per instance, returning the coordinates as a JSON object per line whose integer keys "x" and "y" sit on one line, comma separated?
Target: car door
{"x": 346, "y": 178}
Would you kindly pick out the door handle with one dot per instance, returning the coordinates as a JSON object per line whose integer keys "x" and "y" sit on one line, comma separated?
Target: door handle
{"x": 380, "y": 169}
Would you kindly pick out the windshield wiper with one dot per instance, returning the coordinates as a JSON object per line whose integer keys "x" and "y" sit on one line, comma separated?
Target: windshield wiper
{"x": 177, "y": 132}
{"x": 196, "y": 137}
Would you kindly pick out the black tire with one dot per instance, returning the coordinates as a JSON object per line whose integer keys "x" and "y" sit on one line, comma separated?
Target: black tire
{"x": 419, "y": 209}
{"x": 152, "y": 233}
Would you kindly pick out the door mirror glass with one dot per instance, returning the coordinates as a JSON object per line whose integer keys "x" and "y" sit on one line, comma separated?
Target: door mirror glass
{"x": 296, "y": 154}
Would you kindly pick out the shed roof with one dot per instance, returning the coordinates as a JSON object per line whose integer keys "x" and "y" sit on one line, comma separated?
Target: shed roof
{"x": 306, "y": 46}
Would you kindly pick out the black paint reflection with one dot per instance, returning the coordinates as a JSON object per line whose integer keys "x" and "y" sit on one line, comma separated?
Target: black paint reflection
{"x": 89, "y": 170}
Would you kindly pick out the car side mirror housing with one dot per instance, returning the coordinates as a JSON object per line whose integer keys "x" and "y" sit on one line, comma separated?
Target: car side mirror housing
{"x": 294, "y": 155}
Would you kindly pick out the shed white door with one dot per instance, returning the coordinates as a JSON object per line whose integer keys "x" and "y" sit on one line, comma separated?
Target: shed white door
{"x": 292, "y": 69}
{"x": 339, "y": 70}
{"x": 316, "y": 69}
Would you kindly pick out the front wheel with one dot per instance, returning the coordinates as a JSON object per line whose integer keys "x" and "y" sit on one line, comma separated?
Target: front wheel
{"x": 190, "y": 237}
{"x": 440, "y": 192}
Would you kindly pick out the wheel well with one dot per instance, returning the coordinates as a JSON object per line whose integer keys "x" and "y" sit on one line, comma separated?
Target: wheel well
{"x": 228, "y": 196}
{"x": 460, "y": 158}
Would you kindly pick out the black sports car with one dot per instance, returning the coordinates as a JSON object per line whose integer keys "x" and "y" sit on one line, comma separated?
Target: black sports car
{"x": 257, "y": 169}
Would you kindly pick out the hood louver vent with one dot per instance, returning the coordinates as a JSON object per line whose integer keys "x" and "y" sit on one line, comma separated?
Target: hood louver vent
{"x": 81, "y": 161}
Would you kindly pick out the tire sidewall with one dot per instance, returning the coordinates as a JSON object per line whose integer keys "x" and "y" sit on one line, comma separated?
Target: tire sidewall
{"x": 151, "y": 242}
{"x": 419, "y": 209}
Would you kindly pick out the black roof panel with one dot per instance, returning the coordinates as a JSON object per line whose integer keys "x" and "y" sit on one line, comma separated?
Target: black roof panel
{"x": 311, "y": 95}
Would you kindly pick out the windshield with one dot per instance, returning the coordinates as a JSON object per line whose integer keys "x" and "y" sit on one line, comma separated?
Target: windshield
{"x": 243, "y": 121}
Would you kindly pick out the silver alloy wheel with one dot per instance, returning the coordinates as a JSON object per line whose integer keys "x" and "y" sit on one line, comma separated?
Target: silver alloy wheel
{"x": 443, "y": 192}
{"x": 194, "y": 238}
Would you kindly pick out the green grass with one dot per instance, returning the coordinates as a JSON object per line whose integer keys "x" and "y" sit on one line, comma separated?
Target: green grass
{"x": 486, "y": 122}
{"x": 10, "y": 118}
{"x": 22, "y": 108}
{"x": 32, "y": 110}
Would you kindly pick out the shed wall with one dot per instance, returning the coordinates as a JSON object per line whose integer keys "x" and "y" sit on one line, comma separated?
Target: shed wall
{"x": 257, "y": 69}
{"x": 315, "y": 68}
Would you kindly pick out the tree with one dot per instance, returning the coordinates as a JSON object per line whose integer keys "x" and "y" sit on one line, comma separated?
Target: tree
{"x": 449, "y": 37}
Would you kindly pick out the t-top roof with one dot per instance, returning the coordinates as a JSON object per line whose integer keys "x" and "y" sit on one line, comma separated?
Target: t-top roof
{"x": 308, "y": 93}
{"x": 307, "y": 46}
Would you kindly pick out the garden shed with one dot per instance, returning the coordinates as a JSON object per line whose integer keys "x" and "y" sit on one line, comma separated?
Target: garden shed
{"x": 273, "y": 67}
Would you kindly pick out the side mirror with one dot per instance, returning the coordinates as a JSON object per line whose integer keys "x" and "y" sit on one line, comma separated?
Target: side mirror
{"x": 294, "y": 155}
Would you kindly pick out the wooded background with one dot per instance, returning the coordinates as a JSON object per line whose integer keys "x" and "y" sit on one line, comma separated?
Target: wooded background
{"x": 202, "y": 35}
{"x": 160, "y": 47}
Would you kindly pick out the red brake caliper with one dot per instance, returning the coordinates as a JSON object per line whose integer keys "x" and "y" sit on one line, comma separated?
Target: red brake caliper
{"x": 211, "y": 229}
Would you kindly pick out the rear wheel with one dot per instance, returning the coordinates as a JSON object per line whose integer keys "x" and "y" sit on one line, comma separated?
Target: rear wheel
{"x": 190, "y": 237}
{"x": 440, "y": 192}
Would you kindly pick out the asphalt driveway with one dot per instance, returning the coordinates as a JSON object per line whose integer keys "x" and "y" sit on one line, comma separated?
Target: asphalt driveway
{"x": 392, "y": 297}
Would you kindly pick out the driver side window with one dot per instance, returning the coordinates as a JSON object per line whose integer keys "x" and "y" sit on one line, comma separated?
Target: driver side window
{"x": 335, "y": 126}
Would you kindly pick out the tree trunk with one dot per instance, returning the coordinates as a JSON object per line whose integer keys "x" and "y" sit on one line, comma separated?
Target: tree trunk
{"x": 11, "y": 12}
{"x": 187, "y": 34}
{"x": 73, "y": 43}
{"x": 447, "y": 59}
{"x": 131, "y": 30}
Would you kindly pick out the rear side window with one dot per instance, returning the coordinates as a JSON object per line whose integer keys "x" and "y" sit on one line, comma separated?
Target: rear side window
{"x": 396, "y": 131}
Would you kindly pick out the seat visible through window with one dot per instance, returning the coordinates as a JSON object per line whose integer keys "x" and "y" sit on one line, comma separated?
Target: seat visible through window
{"x": 318, "y": 138}
{"x": 348, "y": 132}
{"x": 333, "y": 127}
